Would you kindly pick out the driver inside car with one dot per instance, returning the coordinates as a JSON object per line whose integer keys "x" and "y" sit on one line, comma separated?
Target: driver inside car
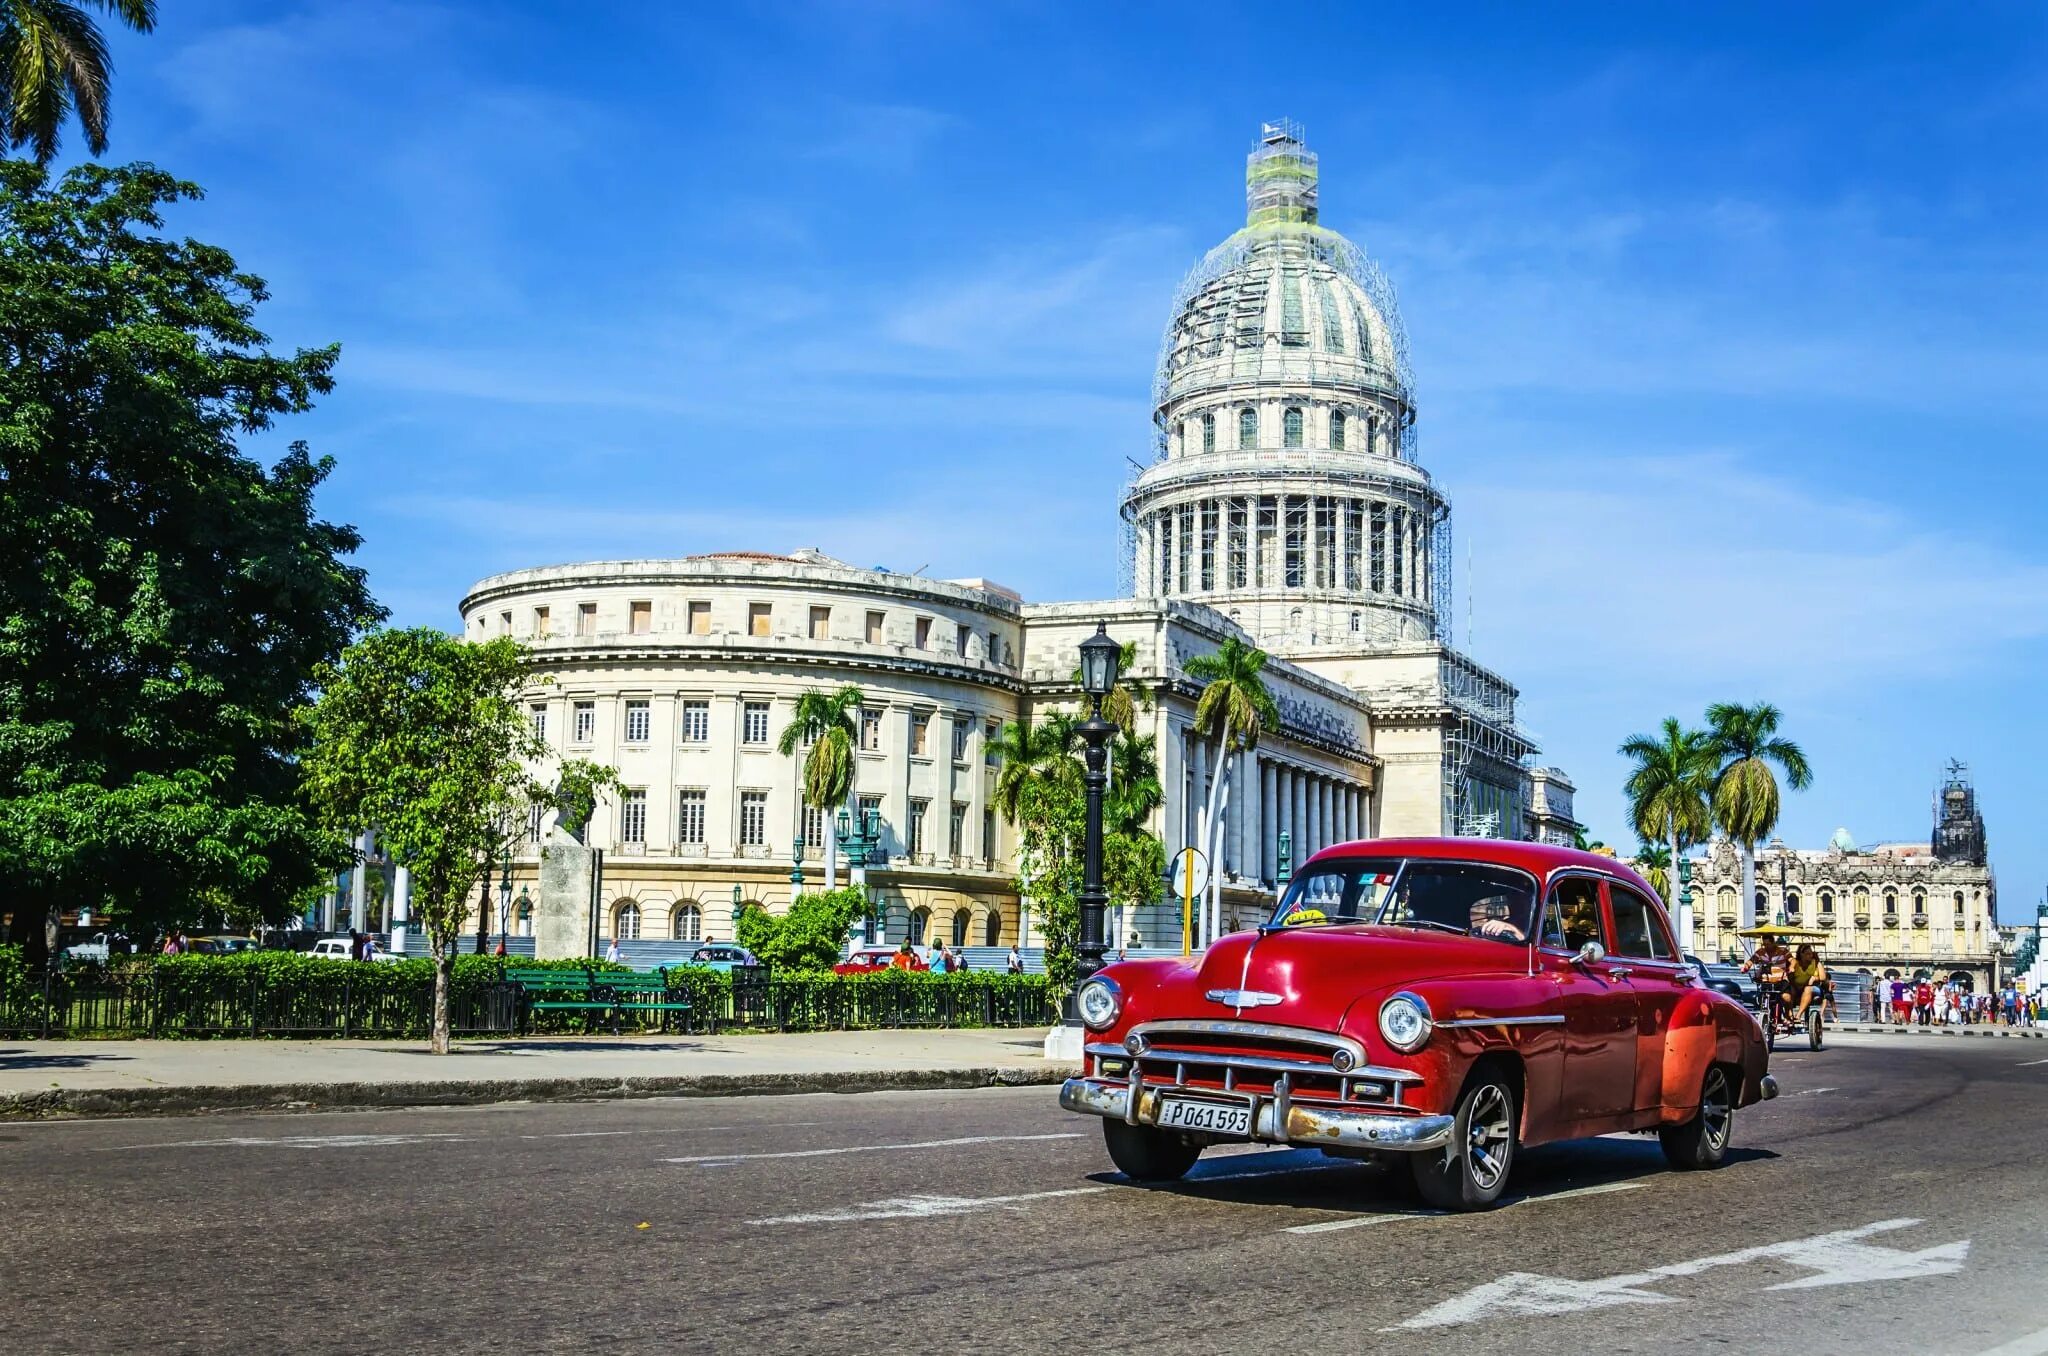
{"x": 1493, "y": 917}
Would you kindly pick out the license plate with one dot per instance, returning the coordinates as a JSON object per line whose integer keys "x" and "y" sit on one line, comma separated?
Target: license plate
{"x": 1180, "y": 1113}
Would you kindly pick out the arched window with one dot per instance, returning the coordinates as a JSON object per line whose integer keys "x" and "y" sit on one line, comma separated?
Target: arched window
{"x": 1891, "y": 907}
{"x": 1291, "y": 427}
{"x": 1294, "y": 620}
{"x": 1763, "y": 907}
{"x": 1827, "y": 903}
{"x": 1247, "y": 427}
{"x": 1862, "y": 899}
{"x": 960, "y": 922}
{"x": 992, "y": 931}
{"x": 1920, "y": 909}
{"x": 1959, "y": 906}
{"x": 686, "y": 924}
{"x": 920, "y": 923}
{"x": 1357, "y": 620}
{"x": 1792, "y": 904}
{"x": 1727, "y": 899}
{"x": 1209, "y": 432}
{"x": 626, "y": 920}
{"x": 1337, "y": 430}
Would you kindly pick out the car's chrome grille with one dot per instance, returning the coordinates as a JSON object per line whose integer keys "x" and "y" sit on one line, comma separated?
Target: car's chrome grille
{"x": 1251, "y": 1059}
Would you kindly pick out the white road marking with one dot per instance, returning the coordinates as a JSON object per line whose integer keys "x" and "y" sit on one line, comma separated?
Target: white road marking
{"x": 922, "y": 1207}
{"x": 1364, "y": 1221}
{"x": 292, "y": 1142}
{"x": 1810, "y": 1092}
{"x": 2031, "y": 1063}
{"x": 2033, "y": 1344}
{"x": 1839, "y": 1258}
{"x": 720, "y": 1160}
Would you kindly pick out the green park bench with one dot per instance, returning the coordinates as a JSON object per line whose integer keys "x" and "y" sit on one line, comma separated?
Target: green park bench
{"x": 614, "y": 993}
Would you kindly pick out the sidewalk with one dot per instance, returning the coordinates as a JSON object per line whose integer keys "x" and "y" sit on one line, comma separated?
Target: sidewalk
{"x": 1888, "y": 1029}
{"x": 50, "y": 1079}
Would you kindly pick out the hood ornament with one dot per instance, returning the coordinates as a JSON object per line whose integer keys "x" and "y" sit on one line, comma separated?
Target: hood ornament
{"x": 1243, "y": 998}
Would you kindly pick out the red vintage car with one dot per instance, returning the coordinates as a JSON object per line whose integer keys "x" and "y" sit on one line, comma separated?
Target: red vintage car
{"x": 1449, "y": 1000}
{"x": 869, "y": 960}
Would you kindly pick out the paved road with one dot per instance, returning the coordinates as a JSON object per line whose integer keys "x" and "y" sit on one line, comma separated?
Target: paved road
{"x": 935, "y": 1221}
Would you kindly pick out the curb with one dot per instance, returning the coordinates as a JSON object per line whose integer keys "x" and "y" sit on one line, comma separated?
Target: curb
{"x": 2026, "y": 1033}
{"x": 67, "y": 1103}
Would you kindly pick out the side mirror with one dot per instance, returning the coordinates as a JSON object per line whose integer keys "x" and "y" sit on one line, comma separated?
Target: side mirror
{"x": 1592, "y": 953}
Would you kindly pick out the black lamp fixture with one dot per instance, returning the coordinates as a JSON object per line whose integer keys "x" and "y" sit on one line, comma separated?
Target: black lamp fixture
{"x": 1098, "y": 676}
{"x": 1098, "y": 663}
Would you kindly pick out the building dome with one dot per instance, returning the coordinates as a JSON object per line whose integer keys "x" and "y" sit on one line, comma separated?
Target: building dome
{"x": 1285, "y": 490}
{"x": 1840, "y": 841}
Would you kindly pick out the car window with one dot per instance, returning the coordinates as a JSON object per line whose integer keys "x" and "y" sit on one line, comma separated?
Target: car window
{"x": 1572, "y": 917}
{"x": 1635, "y": 928}
{"x": 1633, "y": 935}
{"x": 1478, "y": 898}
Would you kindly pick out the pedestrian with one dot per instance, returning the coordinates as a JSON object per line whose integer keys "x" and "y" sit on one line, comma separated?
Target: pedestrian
{"x": 1016, "y": 960}
{"x": 938, "y": 963}
{"x": 1923, "y": 1002}
{"x": 174, "y": 945}
{"x": 904, "y": 959}
{"x": 613, "y": 954}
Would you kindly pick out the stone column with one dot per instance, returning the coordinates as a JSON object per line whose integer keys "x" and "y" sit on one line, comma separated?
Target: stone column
{"x": 1302, "y": 829}
{"x": 1269, "y": 819}
{"x": 401, "y": 906}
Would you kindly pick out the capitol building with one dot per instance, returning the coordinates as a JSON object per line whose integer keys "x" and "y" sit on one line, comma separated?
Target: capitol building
{"x": 1282, "y": 503}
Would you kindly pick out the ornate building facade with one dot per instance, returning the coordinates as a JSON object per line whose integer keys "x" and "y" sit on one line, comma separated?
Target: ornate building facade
{"x": 1285, "y": 507}
{"x": 1904, "y": 907}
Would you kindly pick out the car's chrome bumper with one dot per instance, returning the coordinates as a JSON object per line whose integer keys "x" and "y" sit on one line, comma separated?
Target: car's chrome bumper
{"x": 1294, "y": 1122}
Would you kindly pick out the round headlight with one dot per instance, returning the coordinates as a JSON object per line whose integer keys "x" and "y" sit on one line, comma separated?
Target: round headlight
{"x": 1136, "y": 1044}
{"x": 1404, "y": 1021}
{"x": 1342, "y": 1060}
{"x": 1099, "y": 1002}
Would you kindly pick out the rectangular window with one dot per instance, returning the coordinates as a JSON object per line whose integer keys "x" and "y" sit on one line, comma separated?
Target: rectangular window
{"x": 700, "y": 619}
{"x": 586, "y": 619}
{"x": 505, "y": 623}
{"x": 753, "y": 818}
{"x": 759, "y": 617}
{"x": 924, "y": 633}
{"x": 696, "y": 722}
{"x": 540, "y": 623}
{"x": 960, "y": 641}
{"x": 690, "y": 816}
{"x": 640, "y": 617}
{"x": 534, "y": 815}
{"x": 821, "y": 623}
{"x": 811, "y": 828}
{"x": 872, "y": 806}
{"x": 584, "y": 728}
{"x": 988, "y": 835}
{"x": 870, "y": 730}
{"x": 633, "y": 816}
{"x": 917, "y": 814}
{"x": 1635, "y": 927}
{"x": 754, "y": 723}
{"x": 1572, "y": 917}
{"x": 963, "y": 732}
{"x": 921, "y": 733}
{"x": 956, "y": 832}
{"x": 639, "y": 720}
{"x": 995, "y": 646}
{"x": 991, "y": 733}
{"x": 537, "y": 716}
{"x": 874, "y": 629}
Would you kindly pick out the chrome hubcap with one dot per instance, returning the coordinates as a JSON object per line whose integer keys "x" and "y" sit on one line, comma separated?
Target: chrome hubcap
{"x": 1715, "y": 1112}
{"x": 1489, "y": 1129}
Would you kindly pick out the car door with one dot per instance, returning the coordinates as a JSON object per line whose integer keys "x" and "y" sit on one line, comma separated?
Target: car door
{"x": 1598, "y": 1006}
{"x": 1660, "y": 978}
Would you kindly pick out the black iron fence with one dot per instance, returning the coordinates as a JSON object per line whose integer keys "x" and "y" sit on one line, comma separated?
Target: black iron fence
{"x": 340, "y": 999}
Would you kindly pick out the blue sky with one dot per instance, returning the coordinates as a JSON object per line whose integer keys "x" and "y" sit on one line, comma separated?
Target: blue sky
{"x": 1728, "y": 325}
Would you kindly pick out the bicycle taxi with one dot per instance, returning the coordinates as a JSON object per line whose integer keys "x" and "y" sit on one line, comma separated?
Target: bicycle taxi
{"x": 1772, "y": 964}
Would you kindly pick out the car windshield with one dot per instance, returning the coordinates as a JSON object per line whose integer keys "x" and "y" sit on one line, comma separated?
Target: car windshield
{"x": 1468, "y": 898}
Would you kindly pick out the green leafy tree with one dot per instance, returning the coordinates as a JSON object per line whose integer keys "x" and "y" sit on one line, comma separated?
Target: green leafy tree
{"x": 1668, "y": 791}
{"x": 808, "y": 936}
{"x": 1235, "y": 708}
{"x": 419, "y": 735}
{"x": 164, "y": 598}
{"x": 1745, "y": 742}
{"x": 1654, "y": 861}
{"x": 54, "y": 61}
{"x": 824, "y": 721}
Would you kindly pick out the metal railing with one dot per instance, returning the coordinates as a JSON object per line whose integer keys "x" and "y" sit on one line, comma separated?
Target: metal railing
{"x": 59, "y": 1004}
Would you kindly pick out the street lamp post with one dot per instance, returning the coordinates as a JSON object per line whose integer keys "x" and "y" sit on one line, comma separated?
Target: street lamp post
{"x": 1098, "y": 674}
{"x": 796, "y": 866}
{"x": 859, "y": 835}
{"x": 1286, "y": 871}
{"x": 504, "y": 896}
{"x": 1684, "y": 903}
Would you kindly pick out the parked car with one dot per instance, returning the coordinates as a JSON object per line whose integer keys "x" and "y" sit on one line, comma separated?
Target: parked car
{"x": 724, "y": 956}
{"x": 1724, "y": 978}
{"x": 337, "y": 948}
{"x": 225, "y": 946}
{"x": 1439, "y": 1001}
{"x": 93, "y": 949}
{"x": 866, "y": 960}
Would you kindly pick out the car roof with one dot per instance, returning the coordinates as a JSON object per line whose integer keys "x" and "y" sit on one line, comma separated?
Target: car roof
{"x": 1541, "y": 859}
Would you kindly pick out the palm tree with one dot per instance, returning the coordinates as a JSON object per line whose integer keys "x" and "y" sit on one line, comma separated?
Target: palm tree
{"x": 1667, "y": 791}
{"x": 1026, "y": 754}
{"x": 825, "y": 722}
{"x": 1236, "y": 708}
{"x": 1134, "y": 789}
{"x": 53, "y": 61}
{"x": 1744, "y": 741}
{"x": 1654, "y": 861}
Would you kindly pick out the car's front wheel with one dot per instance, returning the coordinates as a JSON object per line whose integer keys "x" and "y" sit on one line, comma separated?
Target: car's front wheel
{"x": 1702, "y": 1142}
{"x": 1147, "y": 1155}
{"x": 1471, "y": 1172}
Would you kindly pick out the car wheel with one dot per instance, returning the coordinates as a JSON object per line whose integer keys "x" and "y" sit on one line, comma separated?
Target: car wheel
{"x": 1813, "y": 1028}
{"x": 1147, "y": 1155}
{"x": 1471, "y": 1172}
{"x": 1702, "y": 1142}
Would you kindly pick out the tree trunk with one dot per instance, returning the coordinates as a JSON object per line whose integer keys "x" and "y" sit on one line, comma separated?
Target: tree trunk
{"x": 1746, "y": 907}
{"x": 444, "y": 973}
{"x": 483, "y": 911}
{"x": 831, "y": 849}
{"x": 1681, "y": 914}
{"x": 1216, "y": 865}
{"x": 1212, "y": 829}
